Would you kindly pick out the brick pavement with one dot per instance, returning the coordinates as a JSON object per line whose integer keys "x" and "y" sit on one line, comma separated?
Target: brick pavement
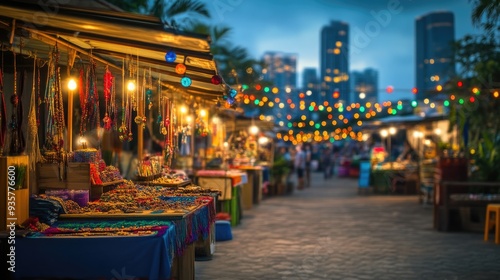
{"x": 328, "y": 231}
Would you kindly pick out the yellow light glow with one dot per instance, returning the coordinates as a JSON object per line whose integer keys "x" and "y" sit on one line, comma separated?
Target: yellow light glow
{"x": 71, "y": 84}
{"x": 253, "y": 130}
{"x": 392, "y": 130}
{"x": 131, "y": 85}
{"x": 203, "y": 112}
{"x": 384, "y": 133}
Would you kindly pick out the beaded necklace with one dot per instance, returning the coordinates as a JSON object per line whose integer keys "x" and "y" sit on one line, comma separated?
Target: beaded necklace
{"x": 122, "y": 130}
{"x": 93, "y": 97}
{"x": 54, "y": 105}
{"x": 149, "y": 91}
{"x": 159, "y": 119}
{"x": 141, "y": 120}
{"x": 89, "y": 99}
{"x": 33, "y": 148}
{"x": 108, "y": 98}
{"x": 13, "y": 125}
{"x": 82, "y": 90}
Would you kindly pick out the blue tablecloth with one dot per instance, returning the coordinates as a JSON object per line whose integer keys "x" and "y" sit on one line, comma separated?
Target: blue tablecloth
{"x": 114, "y": 257}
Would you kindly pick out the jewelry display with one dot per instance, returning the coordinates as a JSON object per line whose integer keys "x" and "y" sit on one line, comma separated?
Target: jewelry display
{"x": 54, "y": 106}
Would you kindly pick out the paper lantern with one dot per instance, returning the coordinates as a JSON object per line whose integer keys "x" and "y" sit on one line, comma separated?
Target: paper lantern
{"x": 233, "y": 92}
{"x": 186, "y": 82}
{"x": 180, "y": 69}
{"x": 216, "y": 79}
{"x": 170, "y": 56}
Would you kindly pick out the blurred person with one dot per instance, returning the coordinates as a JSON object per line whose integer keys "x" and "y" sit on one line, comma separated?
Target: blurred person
{"x": 408, "y": 153}
{"x": 308, "y": 156}
{"x": 300, "y": 166}
{"x": 326, "y": 163}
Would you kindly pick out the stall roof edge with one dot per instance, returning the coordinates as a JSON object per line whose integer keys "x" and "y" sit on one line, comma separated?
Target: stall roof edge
{"x": 112, "y": 13}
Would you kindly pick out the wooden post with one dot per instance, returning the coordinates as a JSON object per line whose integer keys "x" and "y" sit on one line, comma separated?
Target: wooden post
{"x": 140, "y": 128}
{"x": 70, "y": 114}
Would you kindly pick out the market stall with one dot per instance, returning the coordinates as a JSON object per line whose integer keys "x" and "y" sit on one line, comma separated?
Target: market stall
{"x": 229, "y": 183}
{"x": 131, "y": 76}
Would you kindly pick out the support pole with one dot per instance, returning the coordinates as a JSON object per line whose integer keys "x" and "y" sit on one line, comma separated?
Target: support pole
{"x": 70, "y": 114}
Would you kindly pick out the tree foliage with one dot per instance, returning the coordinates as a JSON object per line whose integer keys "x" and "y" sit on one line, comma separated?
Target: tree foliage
{"x": 478, "y": 58}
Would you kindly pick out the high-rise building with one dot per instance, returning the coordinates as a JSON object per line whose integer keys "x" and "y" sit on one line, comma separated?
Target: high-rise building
{"x": 334, "y": 62}
{"x": 281, "y": 69}
{"x": 310, "y": 85}
{"x": 365, "y": 86}
{"x": 434, "y": 53}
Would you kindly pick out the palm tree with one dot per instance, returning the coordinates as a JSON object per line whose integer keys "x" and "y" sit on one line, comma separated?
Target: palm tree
{"x": 173, "y": 13}
{"x": 486, "y": 13}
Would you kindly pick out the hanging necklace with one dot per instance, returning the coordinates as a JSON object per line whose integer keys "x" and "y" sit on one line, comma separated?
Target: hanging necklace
{"x": 141, "y": 120}
{"x": 54, "y": 104}
{"x": 123, "y": 128}
{"x": 82, "y": 90}
{"x": 33, "y": 148}
{"x": 108, "y": 84}
{"x": 149, "y": 91}
{"x": 94, "y": 97}
{"x": 14, "y": 100}
{"x": 159, "y": 119}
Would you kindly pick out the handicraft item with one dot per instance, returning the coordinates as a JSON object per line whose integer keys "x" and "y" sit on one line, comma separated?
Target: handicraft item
{"x": 17, "y": 142}
{"x": 109, "y": 119}
{"x": 33, "y": 148}
{"x": 54, "y": 105}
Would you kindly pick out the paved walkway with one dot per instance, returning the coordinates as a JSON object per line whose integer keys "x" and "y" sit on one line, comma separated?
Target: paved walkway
{"x": 328, "y": 231}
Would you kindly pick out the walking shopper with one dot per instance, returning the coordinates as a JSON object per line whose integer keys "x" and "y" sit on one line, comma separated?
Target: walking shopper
{"x": 300, "y": 166}
{"x": 326, "y": 163}
{"x": 308, "y": 155}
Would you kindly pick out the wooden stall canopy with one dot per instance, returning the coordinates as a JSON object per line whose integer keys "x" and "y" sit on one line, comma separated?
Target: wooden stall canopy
{"x": 403, "y": 121}
{"x": 112, "y": 38}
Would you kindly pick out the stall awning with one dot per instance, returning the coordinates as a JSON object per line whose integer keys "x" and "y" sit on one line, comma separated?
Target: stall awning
{"x": 115, "y": 37}
{"x": 406, "y": 121}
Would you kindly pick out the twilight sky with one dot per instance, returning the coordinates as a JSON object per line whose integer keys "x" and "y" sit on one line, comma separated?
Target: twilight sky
{"x": 293, "y": 26}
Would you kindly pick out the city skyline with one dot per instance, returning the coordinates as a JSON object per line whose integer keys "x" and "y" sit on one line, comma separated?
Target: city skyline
{"x": 294, "y": 26}
{"x": 434, "y": 63}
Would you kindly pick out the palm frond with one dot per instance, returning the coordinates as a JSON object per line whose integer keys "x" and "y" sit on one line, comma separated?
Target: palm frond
{"x": 183, "y": 7}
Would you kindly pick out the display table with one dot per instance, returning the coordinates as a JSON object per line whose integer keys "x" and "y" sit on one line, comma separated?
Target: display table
{"x": 252, "y": 191}
{"x": 395, "y": 177}
{"x": 190, "y": 225}
{"x": 229, "y": 183}
{"x": 99, "y": 257}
